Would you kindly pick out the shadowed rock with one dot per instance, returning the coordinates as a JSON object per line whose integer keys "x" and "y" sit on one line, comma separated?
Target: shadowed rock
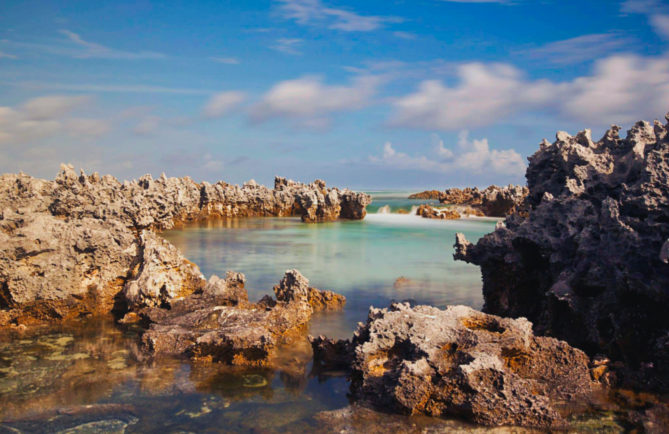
{"x": 220, "y": 325}
{"x": 459, "y": 362}
{"x": 589, "y": 264}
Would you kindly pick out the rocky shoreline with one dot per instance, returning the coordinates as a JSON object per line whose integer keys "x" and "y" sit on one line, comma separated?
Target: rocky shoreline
{"x": 83, "y": 245}
{"x": 582, "y": 256}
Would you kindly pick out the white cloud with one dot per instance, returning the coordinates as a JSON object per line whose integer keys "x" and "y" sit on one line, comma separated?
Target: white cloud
{"x": 314, "y": 12}
{"x": 288, "y": 46}
{"x": 226, "y": 60}
{"x": 638, "y": 6}
{"x": 655, "y": 10}
{"x": 48, "y": 117}
{"x": 111, "y": 88}
{"x": 309, "y": 101}
{"x": 404, "y": 35}
{"x": 621, "y": 88}
{"x": 222, "y": 103}
{"x": 471, "y": 156}
{"x": 147, "y": 125}
{"x": 578, "y": 49}
{"x": 7, "y": 55}
{"x": 485, "y": 93}
{"x": 660, "y": 24}
{"x": 94, "y": 50}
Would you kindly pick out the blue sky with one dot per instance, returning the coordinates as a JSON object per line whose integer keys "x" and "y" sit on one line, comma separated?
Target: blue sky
{"x": 373, "y": 94}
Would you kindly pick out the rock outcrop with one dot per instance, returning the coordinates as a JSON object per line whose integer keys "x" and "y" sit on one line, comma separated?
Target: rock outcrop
{"x": 451, "y": 213}
{"x": 82, "y": 244}
{"x": 459, "y": 362}
{"x": 589, "y": 263}
{"x": 493, "y": 201}
{"x": 219, "y": 324}
{"x": 427, "y": 195}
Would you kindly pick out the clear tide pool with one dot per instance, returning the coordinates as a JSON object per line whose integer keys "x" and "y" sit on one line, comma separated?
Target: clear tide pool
{"x": 91, "y": 377}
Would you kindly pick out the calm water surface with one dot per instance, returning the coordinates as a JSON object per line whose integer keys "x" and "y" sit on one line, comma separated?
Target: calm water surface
{"x": 91, "y": 378}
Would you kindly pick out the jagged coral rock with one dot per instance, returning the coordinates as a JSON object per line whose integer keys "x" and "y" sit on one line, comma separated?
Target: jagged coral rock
{"x": 163, "y": 274}
{"x": 79, "y": 244}
{"x": 214, "y": 326}
{"x": 493, "y": 201}
{"x": 427, "y": 211}
{"x": 459, "y": 362}
{"x": 589, "y": 263}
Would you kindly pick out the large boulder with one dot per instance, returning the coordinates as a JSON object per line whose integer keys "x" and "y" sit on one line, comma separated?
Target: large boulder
{"x": 589, "y": 263}
{"x": 460, "y": 362}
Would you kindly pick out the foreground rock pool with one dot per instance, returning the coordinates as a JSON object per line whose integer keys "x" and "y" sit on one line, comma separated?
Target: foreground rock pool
{"x": 90, "y": 377}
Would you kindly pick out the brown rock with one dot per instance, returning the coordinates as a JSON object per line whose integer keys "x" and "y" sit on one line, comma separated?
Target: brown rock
{"x": 460, "y": 362}
{"x": 213, "y": 326}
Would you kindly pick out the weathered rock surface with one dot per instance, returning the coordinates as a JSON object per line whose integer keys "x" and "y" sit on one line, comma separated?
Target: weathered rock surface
{"x": 451, "y": 213}
{"x": 220, "y": 325}
{"x": 460, "y": 362}
{"x": 493, "y": 201}
{"x": 427, "y": 211}
{"x": 589, "y": 264}
{"x": 82, "y": 244}
{"x": 427, "y": 195}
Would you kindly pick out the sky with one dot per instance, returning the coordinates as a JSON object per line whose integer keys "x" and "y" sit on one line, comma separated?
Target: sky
{"x": 364, "y": 94}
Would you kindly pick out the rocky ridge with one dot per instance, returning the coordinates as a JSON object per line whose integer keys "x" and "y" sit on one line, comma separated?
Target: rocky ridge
{"x": 589, "y": 263}
{"x": 83, "y": 244}
{"x": 459, "y": 362}
{"x": 492, "y": 201}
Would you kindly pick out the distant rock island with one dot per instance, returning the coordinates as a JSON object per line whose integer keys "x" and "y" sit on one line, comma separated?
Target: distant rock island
{"x": 493, "y": 201}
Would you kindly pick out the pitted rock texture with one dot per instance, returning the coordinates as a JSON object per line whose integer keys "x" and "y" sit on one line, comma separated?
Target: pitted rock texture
{"x": 493, "y": 201}
{"x": 589, "y": 263}
{"x": 219, "y": 324}
{"x": 161, "y": 203}
{"x": 81, "y": 244}
{"x": 460, "y": 362}
{"x": 453, "y": 212}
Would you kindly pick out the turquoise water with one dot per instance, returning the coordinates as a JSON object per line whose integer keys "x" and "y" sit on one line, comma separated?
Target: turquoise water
{"x": 91, "y": 377}
{"x": 360, "y": 259}
{"x": 395, "y": 200}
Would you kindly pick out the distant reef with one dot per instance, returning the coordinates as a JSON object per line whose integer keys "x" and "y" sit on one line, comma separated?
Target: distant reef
{"x": 589, "y": 261}
{"x": 492, "y": 201}
{"x": 82, "y": 244}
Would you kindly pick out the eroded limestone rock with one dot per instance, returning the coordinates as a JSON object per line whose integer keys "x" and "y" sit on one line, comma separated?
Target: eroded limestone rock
{"x": 589, "y": 263}
{"x": 222, "y": 326}
{"x": 81, "y": 244}
{"x": 459, "y": 362}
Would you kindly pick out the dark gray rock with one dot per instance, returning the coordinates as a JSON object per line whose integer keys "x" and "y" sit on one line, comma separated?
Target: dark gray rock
{"x": 588, "y": 264}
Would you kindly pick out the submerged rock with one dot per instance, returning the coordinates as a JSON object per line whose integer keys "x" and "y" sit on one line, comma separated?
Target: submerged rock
{"x": 589, "y": 263}
{"x": 82, "y": 244}
{"x": 460, "y": 362}
{"x": 220, "y": 325}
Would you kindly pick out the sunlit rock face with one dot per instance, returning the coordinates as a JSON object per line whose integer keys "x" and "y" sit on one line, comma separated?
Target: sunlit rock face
{"x": 492, "y": 201}
{"x": 82, "y": 244}
{"x": 459, "y": 362}
{"x": 589, "y": 263}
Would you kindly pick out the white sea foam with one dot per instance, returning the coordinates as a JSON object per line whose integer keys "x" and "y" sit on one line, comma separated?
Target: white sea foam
{"x": 385, "y": 209}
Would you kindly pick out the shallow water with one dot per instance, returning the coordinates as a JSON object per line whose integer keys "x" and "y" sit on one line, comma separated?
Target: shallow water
{"x": 90, "y": 377}
{"x": 360, "y": 259}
